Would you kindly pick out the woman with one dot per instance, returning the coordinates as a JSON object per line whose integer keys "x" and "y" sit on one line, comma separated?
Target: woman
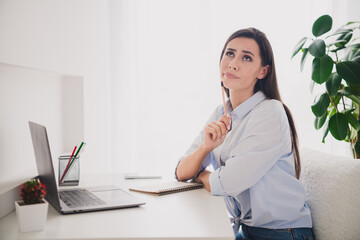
{"x": 253, "y": 150}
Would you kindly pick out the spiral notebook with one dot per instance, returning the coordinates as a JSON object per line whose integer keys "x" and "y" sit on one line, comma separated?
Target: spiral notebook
{"x": 167, "y": 188}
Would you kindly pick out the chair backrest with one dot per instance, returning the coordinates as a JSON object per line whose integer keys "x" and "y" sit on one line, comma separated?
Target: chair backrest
{"x": 332, "y": 186}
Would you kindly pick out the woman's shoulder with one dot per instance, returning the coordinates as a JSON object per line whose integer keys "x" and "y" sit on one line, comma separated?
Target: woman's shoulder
{"x": 270, "y": 107}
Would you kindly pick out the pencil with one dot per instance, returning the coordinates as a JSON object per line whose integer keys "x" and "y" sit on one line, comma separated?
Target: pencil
{"x": 65, "y": 170}
{"x": 223, "y": 95}
{"x": 74, "y": 158}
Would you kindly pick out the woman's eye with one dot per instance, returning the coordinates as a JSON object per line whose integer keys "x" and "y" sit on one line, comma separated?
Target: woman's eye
{"x": 230, "y": 54}
{"x": 247, "y": 58}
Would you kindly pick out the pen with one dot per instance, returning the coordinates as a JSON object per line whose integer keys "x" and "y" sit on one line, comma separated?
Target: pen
{"x": 74, "y": 158}
{"x": 65, "y": 170}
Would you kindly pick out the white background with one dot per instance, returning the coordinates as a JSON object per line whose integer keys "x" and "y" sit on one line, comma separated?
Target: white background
{"x": 150, "y": 68}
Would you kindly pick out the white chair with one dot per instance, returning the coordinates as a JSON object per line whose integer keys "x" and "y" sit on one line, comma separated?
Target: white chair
{"x": 332, "y": 186}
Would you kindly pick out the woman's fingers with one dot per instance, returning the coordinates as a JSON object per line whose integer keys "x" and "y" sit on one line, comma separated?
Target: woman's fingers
{"x": 218, "y": 130}
{"x": 226, "y": 120}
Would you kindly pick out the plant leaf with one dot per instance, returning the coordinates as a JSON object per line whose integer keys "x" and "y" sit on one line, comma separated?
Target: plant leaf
{"x": 319, "y": 121}
{"x": 353, "y": 98}
{"x": 353, "y": 133}
{"x": 322, "y": 25}
{"x": 352, "y": 120}
{"x": 357, "y": 148}
{"x": 349, "y": 71}
{"x": 337, "y": 49}
{"x": 346, "y": 111}
{"x": 326, "y": 131}
{"x": 340, "y": 31}
{"x": 317, "y": 48}
{"x": 353, "y": 55}
{"x": 298, "y": 46}
{"x": 333, "y": 84}
{"x": 303, "y": 58}
{"x": 344, "y": 39}
{"x": 338, "y": 126}
{"x": 320, "y": 107}
{"x": 355, "y": 46}
{"x": 321, "y": 69}
{"x": 312, "y": 84}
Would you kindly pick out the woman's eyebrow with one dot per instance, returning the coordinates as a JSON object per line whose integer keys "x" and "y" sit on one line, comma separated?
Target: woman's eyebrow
{"x": 244, "y": 51}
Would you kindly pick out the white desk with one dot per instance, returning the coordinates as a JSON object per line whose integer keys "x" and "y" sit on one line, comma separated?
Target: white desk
{"x": 192, "y": 215}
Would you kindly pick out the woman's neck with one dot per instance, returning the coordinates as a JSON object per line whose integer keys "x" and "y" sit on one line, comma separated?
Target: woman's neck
{"x": 238, "y": 97}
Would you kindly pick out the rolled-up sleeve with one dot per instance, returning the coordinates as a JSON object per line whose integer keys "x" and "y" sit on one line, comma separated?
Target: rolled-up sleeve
{"x": 206, "y": 162}
{"x": 256, "y": 152}
{"x": 198, "y": 140}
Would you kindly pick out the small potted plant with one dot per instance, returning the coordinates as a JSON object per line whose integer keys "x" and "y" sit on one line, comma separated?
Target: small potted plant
{"x": 31, "y": 211}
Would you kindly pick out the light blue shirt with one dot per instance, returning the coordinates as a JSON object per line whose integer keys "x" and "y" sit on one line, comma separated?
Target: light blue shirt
{"x": 254, "y": 167}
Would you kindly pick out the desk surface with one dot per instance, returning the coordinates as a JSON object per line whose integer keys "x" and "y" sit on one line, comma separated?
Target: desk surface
{"x": 192, "y": 215}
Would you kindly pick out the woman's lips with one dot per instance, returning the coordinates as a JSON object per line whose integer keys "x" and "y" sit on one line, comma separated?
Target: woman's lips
{"x": 230, "y": 76}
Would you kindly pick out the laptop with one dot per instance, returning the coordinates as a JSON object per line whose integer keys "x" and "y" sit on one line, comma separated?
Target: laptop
{"x": 74, "y": 200}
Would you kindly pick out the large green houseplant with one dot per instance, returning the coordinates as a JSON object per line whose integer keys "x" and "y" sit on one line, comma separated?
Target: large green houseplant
{"x": 336, "y": 67}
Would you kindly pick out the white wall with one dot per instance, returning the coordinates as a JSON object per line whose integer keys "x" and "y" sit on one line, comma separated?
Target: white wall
{"x": 40, "y": 96}
{"x": 68, "y": 37}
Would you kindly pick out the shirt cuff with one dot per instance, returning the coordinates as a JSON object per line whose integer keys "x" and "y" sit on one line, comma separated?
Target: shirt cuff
{"x": 215, "y": 184}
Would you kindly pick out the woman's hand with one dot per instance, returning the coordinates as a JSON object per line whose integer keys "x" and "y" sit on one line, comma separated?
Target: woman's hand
{"x": 215, "y": 133}
{"x": 204, "y": 179}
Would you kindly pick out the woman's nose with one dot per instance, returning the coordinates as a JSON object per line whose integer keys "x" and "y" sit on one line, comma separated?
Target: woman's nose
{"x": 233, "y": 65}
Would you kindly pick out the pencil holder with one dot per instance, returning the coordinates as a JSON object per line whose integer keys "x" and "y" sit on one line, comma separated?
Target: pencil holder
{"x": 72, "y": 175}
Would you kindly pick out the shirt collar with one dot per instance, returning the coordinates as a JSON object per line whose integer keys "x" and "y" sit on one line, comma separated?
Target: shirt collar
{"x": 247, "y": 105}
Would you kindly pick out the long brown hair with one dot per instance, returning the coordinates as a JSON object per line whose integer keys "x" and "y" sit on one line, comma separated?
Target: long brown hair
{"x": 268, "y": 85}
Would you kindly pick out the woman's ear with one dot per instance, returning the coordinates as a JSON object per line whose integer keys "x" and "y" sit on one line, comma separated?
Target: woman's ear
{"x": 264, "y": 71}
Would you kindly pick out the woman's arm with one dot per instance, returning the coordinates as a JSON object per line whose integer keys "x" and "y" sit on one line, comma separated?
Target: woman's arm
{"x": 204, "y": 179}
{"x": 189, "y": 166}
{"x": 214, "y": 135}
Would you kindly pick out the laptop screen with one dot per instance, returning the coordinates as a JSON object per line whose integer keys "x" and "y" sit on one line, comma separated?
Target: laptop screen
{"x": 44, "y": 162}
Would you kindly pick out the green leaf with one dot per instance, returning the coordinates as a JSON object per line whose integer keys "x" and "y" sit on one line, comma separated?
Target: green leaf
{"x": 312, "y": 84}
{"x": 354, "y": 89}
{"x": 353, "y": 98}
{"x": 298, "y": 46}
{"x": 326, "y": 131}
{"x": 333, "y": 84}
{"x": 317, "y": 48}
{"x": 322, "y": 25}
{"x": 337, "y": 98}
{"x": 303, "y": 58}
{"x": 355, "y": 46}
{"x": 340, "y": 31}
{"x": 319, "y": 121}
{"x": 338, "y": 126}
{"x": 321, "y": 69}
{"x": 349, "y": 71}
{"x": 357, "y": 148}
{"x": 337, "y": 49}
{"x": 346, "y": 111}
{"x": 353, "y": 133}
{"x": 344, "y": 39}
{"x": 352, "y": 22}
{"x": 352, "y": 120}
{"x": 320, "y": 107}
{"x": 351, "y": 94}
{"x": 353, "y": 55}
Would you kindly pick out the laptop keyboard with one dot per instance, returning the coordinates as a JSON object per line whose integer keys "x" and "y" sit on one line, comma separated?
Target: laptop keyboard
{"x": 79, "y": 198}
